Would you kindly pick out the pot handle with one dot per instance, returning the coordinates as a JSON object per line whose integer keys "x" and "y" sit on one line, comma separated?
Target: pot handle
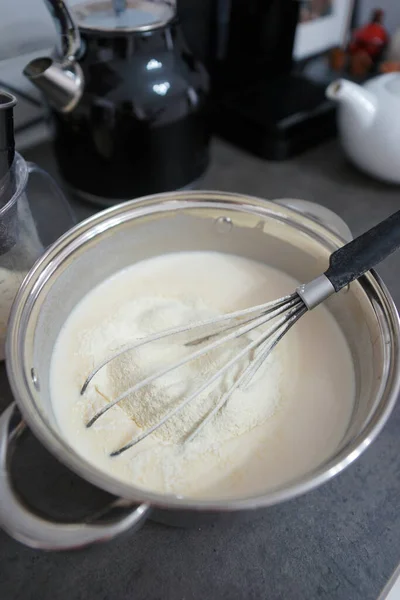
{"x": 320, "y": 214}
{"x": 32, "y": 530}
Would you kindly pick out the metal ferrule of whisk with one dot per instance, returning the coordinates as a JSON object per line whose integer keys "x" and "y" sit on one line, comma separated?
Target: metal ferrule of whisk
{"x": 282, "y": 314}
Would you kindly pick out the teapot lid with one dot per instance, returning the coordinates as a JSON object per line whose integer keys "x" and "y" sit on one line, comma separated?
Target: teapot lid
{"x": 123, "y": 15}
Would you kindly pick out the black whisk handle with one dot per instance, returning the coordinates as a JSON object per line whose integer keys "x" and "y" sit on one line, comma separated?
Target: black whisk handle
{"x": 363, "y": 253}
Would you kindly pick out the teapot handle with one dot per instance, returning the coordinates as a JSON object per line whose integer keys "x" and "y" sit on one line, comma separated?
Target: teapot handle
{"x": 55, "y": 216}
{"x": 21, "y": 523}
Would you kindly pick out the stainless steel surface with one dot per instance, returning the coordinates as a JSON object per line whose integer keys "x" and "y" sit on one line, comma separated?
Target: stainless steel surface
{"x": 322, "y": 215}
{"x": 316, "y": 291}
{"x": 256, "y": 351}
{"x": 31, "y": 529}
{"x": 189, "y": 221}
{"x": 62, "y": 83}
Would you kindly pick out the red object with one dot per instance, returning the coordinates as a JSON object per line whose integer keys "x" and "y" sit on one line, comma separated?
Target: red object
{"x": 371, "y": 38}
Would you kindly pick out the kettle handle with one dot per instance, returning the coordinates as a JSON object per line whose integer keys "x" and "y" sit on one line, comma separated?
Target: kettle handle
{"x": 21, "y": 523}
{"x": 68, "y": 30}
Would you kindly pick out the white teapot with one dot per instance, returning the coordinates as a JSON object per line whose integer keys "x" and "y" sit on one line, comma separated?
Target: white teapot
{"x": 369, "y": 123}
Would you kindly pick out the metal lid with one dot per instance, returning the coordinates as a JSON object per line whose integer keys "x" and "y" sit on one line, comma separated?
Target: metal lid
{"x": 123, "y": 15}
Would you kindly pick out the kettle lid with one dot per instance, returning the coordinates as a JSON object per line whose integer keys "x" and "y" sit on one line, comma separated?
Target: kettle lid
{"x": 123, "y": 15}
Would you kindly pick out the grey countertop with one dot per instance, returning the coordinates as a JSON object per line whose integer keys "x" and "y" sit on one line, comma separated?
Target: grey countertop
{"x": 339, "y": 542}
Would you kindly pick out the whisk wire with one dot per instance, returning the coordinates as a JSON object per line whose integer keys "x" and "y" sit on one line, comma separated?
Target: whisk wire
{"x": 255, "y": 343}
{"x": 266, "y": 348}
{"x": 257, "y": 322}
{"x": 266, "y": 308}
{"x": 286, "y": 311}
{"x": 277, "y": 311}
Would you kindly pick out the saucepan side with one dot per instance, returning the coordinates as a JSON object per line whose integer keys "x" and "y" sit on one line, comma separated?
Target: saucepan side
{"x": 125, "y": 234}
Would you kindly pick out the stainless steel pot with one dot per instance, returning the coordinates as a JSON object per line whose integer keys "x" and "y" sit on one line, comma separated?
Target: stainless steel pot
{"x": 266, "y": 231}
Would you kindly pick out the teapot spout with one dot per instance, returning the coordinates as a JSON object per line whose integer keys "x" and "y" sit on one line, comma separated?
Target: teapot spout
{"x": 359, "y": 101}
{"x": 61, "y": 83}
{"x": 60, "y": 80}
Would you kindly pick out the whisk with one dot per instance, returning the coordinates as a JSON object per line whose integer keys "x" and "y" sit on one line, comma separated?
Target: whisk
{"x": 345, "y": 265}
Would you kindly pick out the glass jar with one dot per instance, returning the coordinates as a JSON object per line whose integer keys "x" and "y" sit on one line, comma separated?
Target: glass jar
{"x": 30, "y": 220}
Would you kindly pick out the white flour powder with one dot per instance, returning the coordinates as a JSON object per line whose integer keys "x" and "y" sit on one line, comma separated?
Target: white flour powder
{"x": 141, "y": 317}
{"x": 283, "y": 424}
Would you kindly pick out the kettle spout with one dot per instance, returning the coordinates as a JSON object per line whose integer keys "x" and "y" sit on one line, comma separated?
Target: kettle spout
{"x": 61, "y": 83}
{"x": 360, "y": 102}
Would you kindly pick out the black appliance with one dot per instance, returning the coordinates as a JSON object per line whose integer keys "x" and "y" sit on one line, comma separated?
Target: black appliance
{"x": 260, "y": 104}
{"x": 129, "y": 102}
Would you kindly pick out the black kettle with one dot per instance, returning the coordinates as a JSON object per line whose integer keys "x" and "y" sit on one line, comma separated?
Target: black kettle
{"x": 128, "y": 101}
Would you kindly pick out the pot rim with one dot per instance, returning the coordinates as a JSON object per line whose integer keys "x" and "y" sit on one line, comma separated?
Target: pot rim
{"x": 171, "y": 201}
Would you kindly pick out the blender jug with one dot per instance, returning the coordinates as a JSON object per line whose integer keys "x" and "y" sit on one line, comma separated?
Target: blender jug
{"x": 25, "y": 231}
